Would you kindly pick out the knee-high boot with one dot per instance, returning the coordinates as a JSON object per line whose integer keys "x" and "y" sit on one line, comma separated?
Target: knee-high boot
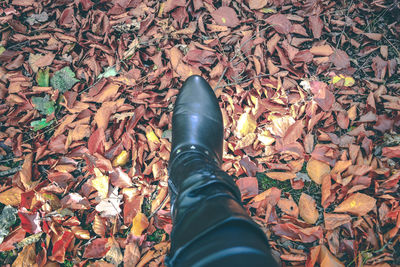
{"x": 210, "y": 226}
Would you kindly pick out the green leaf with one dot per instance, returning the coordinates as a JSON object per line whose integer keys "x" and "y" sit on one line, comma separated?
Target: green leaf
{"x": 40, "y": 124}
{"x": 63, "y": 79}
{"x": 43, "y": 78}
{"x": 108, "y": 72}
{"x": 2, "y": 49}
{"x": 43, "y": 104}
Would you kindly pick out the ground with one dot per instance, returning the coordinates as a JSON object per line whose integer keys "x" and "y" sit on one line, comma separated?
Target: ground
{"x": 309, "y": 91}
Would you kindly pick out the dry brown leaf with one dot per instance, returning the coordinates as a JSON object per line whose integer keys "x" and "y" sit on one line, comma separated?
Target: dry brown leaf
{"x": 225, "y": 16}
{"x": 281, "y": 176}
{"x": 317, "y": 169}
{"x": 358, "y": 204}
{"x": 27, "y": 257}
{"x": 335, "y": 220}
{"x": 308, "y": 209}
{"x": 11, "y": 196}
{"x": 289, "y": 207}
{"x": 280, "y": 23}
{"x": 257, "y": 4}
{"x": 326, "y": 259}
{"x": 322, "y": 50}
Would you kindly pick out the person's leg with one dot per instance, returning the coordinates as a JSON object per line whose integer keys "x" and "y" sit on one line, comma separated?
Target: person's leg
{"x": 210, "y": 226}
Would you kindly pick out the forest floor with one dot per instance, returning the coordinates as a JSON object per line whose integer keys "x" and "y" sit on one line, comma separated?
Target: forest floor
{"x": 309, "y": 91}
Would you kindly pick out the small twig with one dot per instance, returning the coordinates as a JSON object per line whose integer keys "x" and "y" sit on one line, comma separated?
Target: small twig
{"x": 10, "y": 171}
{"x": 159, "y": 207}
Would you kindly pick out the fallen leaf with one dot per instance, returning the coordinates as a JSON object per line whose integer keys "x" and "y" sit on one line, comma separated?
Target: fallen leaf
{"x": 280, "y": 23}
{"x": 27, "y": 257}
{"x": 308, "y": 209}
{"x": 97, "y": 249}
{"x": 257, "y": 4}
{"x": 225, "y": 16}
{"x": 289, "y": 207}
{"x": 11, "y": 196}
{"x": 322, "y": 50}
{"x": 391, "y": 152}
{"x": 335, "y": 220}
{"x": 101, "y": 183}
{"x": 358, "y": 204}
{"x": 245, "y": 125}
{"x": 281, "y": 176}
{"x": 317, "y": 170}
{"x": 139, "y": 224}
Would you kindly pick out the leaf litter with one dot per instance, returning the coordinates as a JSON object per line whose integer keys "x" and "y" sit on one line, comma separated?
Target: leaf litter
{"x": 309, "y": 92}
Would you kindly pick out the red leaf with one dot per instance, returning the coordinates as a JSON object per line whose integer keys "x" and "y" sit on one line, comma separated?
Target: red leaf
{"x": 119, "y": 178}
{"x": 322, "y": 95}
{"x": 30, "y": 221}
{"x": 60, "y": 247}
{"x": 225, "y": 16}
{"x": 295, "y": 233}
{"x": 391, "y": 152}
{"x": 340, "y": 59}
{"x": 97, "y": 249}
{"x": 248, "y": 186}
{"x": 280, "y": 23}
{"x": 11, "y": 239}
{"x": 316, "y": 25}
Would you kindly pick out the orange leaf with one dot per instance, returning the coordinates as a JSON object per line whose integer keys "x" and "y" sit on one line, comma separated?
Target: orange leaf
{"x": 326, "y": 259}
{"x": 317, "y": 169}
{"x": 26, "y": 173}
{"x": 107, "y": 93}
{"x": 335, "y": 220}
{"x": 281, "y": 176}
{"x": 98, "y": 226}
{"x": 358, "y": 204}
{"x": 321, "y": 50}
{"x": 139, "y": 224}
{"x": 131, "y": 254}
{"x": 341, "y": 166}
{"x": 27, "y": 257}
{"x": 11, "y": 196}
{"x": 289, "y": 207}
{"x": 308, "y": 208}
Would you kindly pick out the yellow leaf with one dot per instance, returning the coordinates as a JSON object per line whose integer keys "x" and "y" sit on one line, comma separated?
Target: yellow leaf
{"x": 121, "y": 159}
{"x": 336, "y": 79}
{"x": 317, "y": 169}
{"x": 80, "y": 233}
{"x": 358, "y": 204}
{"x": 151, "y": 136}
{"x": 139, "y": 224}
{"x": 11, "y": 196}
{"x": 245, "y": 125}
{"x": 100, "y": 183}
{"x": 268, "y": 10}
{"x": 308, "y": 210}
{"x": 349, "y": 81}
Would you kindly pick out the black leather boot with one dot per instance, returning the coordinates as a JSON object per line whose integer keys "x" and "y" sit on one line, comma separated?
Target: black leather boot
{"x": 205, "y": 201}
